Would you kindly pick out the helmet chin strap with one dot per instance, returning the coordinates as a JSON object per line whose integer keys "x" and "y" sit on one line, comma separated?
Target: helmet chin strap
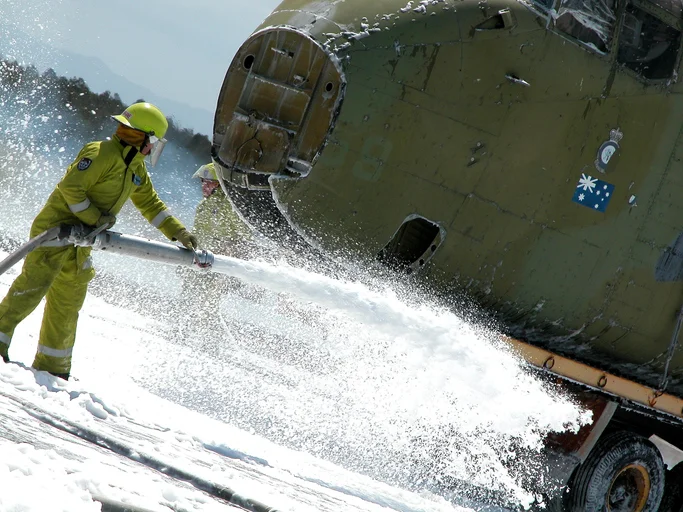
{"x": 131, "y": 154}
{"x": 145, "y": 144}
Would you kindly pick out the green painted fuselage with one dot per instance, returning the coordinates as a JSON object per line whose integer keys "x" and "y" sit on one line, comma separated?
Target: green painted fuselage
{"x": 487, "y": 119}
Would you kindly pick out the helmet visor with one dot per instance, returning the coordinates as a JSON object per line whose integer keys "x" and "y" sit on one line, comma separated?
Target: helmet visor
{"x": 157, "y": 148}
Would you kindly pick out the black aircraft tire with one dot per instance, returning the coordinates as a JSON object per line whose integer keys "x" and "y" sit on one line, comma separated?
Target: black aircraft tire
{"x": 673, "y": 495}
{"x": 623, "y": 473}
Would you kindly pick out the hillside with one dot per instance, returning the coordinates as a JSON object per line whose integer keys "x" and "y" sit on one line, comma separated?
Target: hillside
{"x": 16, "y": 44}
{"x": 67, "y": 104}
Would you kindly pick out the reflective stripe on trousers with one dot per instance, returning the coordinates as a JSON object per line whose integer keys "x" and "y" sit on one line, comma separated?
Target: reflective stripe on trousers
{"x": 58, "y": 274}
{"x": 52, "y": 352}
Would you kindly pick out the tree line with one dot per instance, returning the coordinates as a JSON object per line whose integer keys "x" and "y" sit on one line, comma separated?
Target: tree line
{"x": 47, "y": 101}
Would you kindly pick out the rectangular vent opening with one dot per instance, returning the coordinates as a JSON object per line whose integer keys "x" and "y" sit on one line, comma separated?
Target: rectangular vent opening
{"x": 413, "y": 245}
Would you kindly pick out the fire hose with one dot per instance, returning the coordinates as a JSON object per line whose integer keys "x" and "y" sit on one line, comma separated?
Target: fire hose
{"x": 110, "y": 241}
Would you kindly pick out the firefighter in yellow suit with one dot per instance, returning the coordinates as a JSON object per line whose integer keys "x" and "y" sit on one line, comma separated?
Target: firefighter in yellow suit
{"x": 220, "y": 230}
{"x": 216, "y": 224}
{"x": 104, "y": 175}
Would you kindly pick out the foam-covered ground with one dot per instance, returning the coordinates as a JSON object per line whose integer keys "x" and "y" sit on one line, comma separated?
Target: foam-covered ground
{"x": 330, "y": 396}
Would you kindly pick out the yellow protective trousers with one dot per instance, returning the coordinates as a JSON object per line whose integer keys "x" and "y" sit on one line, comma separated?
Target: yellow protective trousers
{"x": 61, "y": 275}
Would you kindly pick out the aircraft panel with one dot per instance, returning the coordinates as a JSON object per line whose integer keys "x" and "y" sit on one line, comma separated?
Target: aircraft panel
{"x": 528, "y": 168}
{"x": 546, "y": 158}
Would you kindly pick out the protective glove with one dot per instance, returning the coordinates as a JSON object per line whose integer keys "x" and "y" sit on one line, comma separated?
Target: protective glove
{"x": 106, "y": 218}
{"x": 186, "y": 238}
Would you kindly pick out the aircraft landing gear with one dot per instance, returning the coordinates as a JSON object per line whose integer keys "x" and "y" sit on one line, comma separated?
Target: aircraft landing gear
{"x": 623, "y": 473}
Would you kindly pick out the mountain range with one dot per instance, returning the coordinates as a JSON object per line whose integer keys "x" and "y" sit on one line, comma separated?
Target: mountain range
{"x": 18, "y": 45}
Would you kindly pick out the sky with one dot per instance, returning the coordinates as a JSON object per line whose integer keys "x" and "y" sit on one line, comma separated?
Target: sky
{"x": 177, "y": 48}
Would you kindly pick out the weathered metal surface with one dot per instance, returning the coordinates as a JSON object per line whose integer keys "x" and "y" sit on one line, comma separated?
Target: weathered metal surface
{"x": 499, "y": 122}
{"x": 277, "y": 105}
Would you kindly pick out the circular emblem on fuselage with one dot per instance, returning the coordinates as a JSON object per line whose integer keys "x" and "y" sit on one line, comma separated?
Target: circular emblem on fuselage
{"x": 605, "y": 153}
{"x": 84, "y": 164}
{"x": 607, "y": 150}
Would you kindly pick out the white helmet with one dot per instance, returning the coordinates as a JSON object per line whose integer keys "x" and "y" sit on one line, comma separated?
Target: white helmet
{"x": 206, "y": 172}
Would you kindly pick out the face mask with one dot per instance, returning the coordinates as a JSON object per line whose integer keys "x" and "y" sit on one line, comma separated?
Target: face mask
{"x": 209, "y": 187}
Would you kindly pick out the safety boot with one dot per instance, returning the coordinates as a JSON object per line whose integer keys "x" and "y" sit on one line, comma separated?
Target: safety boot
{"x": 3, "y": 352}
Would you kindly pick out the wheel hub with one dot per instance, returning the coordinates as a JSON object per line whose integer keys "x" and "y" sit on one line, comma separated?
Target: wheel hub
{"x": 629, "y": 490}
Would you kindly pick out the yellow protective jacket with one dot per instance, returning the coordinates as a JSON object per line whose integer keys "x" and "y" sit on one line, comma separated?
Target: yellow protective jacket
{"x": 98, "y": 182}
{"x": 217, "y": 225}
